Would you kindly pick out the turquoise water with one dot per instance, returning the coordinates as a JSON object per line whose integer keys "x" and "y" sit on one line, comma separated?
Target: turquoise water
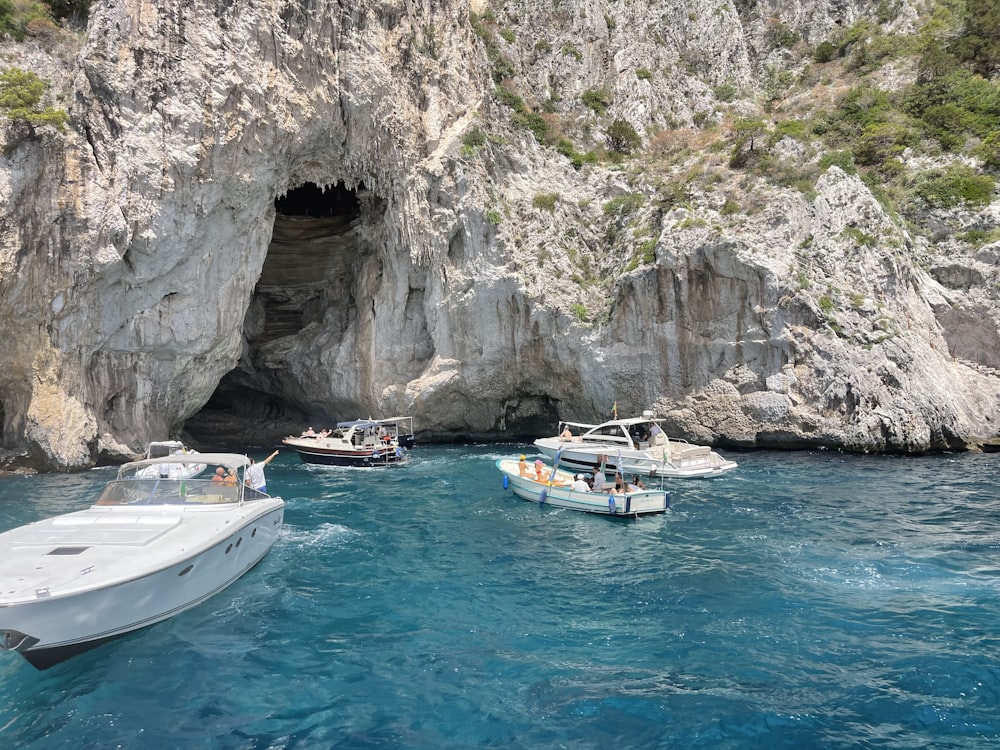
{"x": 807, "y": 600}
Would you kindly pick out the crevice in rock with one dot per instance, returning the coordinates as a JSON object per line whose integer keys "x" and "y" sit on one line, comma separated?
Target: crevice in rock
{"x": 304, "y": 297}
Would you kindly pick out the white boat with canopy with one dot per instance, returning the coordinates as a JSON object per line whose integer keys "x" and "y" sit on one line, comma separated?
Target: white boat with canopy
{"x": 149, "y": 548}
{"x": 634, "y": 445}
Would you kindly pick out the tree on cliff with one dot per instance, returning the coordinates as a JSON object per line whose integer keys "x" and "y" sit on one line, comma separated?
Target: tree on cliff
{"x": 21, "y": 94}
{"x": 622, "y": 138}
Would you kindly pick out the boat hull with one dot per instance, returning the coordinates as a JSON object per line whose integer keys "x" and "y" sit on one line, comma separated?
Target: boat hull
{"x": 62, "y": 616}
{"x": 630, "y": 504}
{"x": 361, "y": 459}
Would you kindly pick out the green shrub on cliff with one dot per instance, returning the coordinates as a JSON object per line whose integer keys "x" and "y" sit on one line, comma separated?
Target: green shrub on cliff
{"x": 7, "y": 20}
{"x": 21, "y": 94}
{"x": 31, "y": 18}
{"x": 978, "y": 44}
{"x": 622, "y": 137}
{"x": 955, "y": 185}
{"x": 16, "y": 16}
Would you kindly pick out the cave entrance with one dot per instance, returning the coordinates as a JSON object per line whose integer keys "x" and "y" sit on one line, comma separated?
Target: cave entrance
{"x": 307, "y": 281}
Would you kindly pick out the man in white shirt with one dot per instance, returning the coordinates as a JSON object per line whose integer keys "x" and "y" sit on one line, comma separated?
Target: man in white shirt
{"x": 598, "y": 485}
{"x": 254, "y": 474}
{"x": 580, "y": 484}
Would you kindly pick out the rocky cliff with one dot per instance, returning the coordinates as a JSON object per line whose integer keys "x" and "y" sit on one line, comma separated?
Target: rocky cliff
{"x": 266, "y": 213}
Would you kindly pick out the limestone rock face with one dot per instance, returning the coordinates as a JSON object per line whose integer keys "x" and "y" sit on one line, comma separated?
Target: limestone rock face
{"x": 153, "y": 277}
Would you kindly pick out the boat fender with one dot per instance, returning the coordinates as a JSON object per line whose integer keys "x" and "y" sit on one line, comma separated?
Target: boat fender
{"x": 399, "y": 452}
{"x": 542, "y": 495}
{"x": 375, "y": 454}
{"x": 611, "y": 504}
{"x": 666, "y": 496}
{"x": 506, "y": 482}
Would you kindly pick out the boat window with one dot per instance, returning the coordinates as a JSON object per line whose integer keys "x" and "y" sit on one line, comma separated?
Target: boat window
{"x": 113, "y": 494}
{"x": 251, "y": 494}
{"x": 156, "y": 491}
{"x": 607, "y": 434}
{"x": 68, "y": 550}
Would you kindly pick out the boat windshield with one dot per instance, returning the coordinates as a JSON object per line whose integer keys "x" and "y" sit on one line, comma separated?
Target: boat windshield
{"x": 609, "y": 433}
{"x": 158, "y": 491}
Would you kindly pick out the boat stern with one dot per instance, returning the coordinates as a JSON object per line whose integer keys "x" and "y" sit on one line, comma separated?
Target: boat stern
{"x": 643, "y": 503}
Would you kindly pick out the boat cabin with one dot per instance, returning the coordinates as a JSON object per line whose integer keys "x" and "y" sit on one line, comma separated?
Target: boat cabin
{"x": 636, "y": 433}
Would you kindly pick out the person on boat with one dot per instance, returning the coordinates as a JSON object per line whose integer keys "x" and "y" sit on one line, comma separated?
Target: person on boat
{"x": 654, "y": 434}
{"x": 308, "y": 433}
{"x": 522, "y": 467}
{"x": 231, "y": 480}
{"x": 580, "y": 484}
{"x": 254, "y": 474}
{"x": 637, "y": 483}
{"x": 619, "y": 488}
{"x": 219, "y": 477}
{"x": 539, "y": 470}
{"x": 598, "y": 480}
{"x": 567, "y": 434}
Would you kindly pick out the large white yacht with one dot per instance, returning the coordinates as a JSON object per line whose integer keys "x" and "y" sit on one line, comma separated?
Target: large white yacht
{"x": 149, "y": 548}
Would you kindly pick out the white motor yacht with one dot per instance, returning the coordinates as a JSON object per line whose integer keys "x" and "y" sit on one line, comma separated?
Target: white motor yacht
{"x": 147, "y": 549}
{"x": 635, "y": 445}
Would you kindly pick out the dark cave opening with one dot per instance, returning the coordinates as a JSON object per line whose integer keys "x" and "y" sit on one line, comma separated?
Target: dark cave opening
{"x": 315, "y": 202}
{"x": 307, "y": 280}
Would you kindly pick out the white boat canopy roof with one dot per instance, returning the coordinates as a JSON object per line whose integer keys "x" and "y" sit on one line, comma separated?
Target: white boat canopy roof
{"x": 229, "y": 460}
{"x": 627, "y": 422}
{"x": 372, "y": 422}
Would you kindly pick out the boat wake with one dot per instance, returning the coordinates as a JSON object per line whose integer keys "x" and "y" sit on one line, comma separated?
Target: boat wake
{"x": 322, "y": 536}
